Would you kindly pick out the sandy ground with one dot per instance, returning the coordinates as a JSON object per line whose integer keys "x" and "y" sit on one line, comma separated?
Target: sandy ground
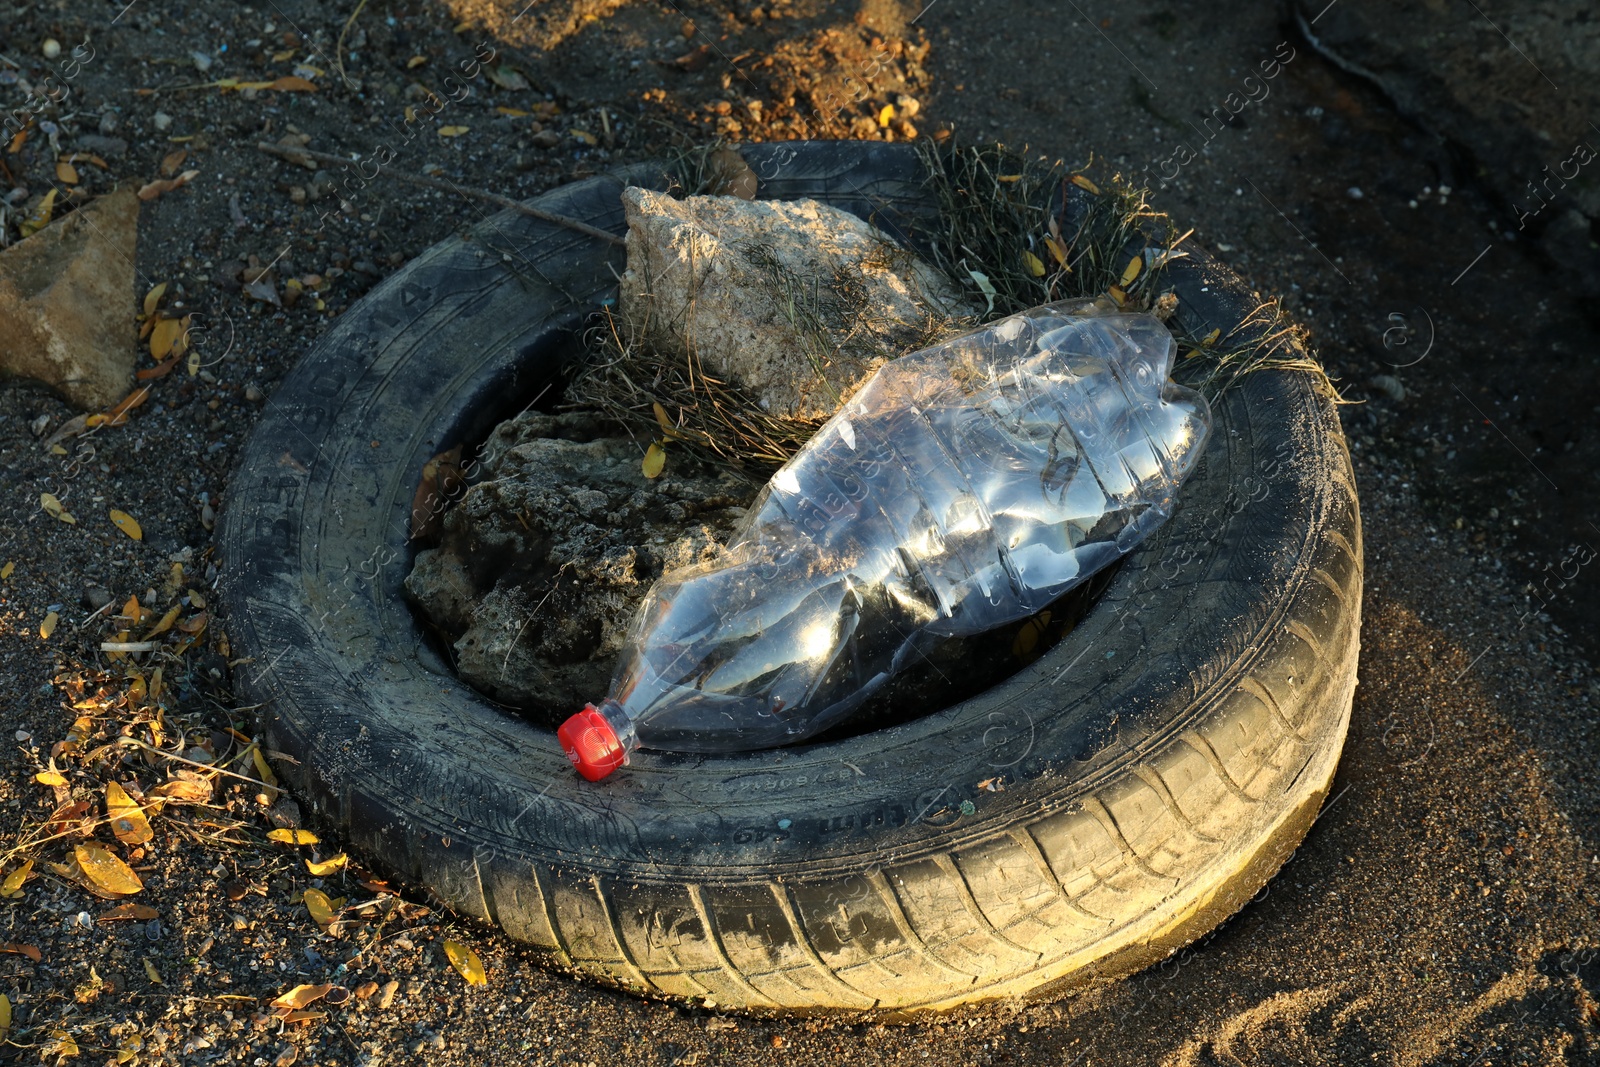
{"x": 1441, "y": 911}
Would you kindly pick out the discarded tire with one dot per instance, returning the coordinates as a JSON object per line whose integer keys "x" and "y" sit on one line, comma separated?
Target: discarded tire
{"x": 1110, "y": 802}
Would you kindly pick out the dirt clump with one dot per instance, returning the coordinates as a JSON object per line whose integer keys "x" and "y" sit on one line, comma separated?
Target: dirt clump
{"x": 542, "y": 564}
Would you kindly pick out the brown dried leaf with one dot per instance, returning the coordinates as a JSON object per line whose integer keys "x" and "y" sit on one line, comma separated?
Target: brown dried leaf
{"x": 172, "y": 161}
{"x": 130, "y": 910}
{"x": 19, "y": 949}
{"x": 151, "y": 190}
{"x": 194, "y": 790}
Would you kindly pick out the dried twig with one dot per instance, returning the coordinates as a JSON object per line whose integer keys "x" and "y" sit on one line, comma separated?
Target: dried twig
{"x": 452, "y": 187}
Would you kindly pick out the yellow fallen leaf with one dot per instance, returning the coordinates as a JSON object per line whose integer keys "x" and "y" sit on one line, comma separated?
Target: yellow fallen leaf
{"x": 1084, "y": 183}
{"x": 283, "y": 56}
{"x": 133, "y": 611}
{"x": 300, "y": 996}
{"x": 1117, "y": 294}
{"x": 11, "y": 888}
{"x": 415, "y": 61}
{"x": 662, "y": 417}
{"x": 88, "y": 157}
{"x": 66, "y": 173}
{"x": 62, "y": 1046}
{"x": 292, "y": 837}
{"x": 39, "y": 217}
{"x": 49, "y": 778}
{"x": 166, "y": 621}
{"x": 327, "y": 866}
{"x": 151, "y": 973}
{"x": 886, "y": 115}
{"x": 1034, "y": 264}
{"x": 512, "y": 112}
{"x": 466, "y": 962}
{"x": 128, "y": 822}
{"x": 1008, "y": 178}
{"x": 1211, "y": 338}
{"x": 127, "y": 524}
{"x": 172, "y": 161}
{"x": 655, "y": 458}
{"x": 130, "y": 1048}
{"x": 163, "y": 337}
{"x": 48, "y": 626}
{"x": 453, "y": 131}
{"x": 53, "y": 508}
{"x": 130, "y": 910}
{"x": 5, "y": 1016}
{"x": 584, "y": 135}
{"x": 264, "y": 772}
{"x": 320, "y": 907}
{"x": 1131, "y": 271}
{"x": 1058, "y": 250}
{"x": 5, "y": 572}
{"x": 153, "y": 297}
{"x": 105, "y": 870}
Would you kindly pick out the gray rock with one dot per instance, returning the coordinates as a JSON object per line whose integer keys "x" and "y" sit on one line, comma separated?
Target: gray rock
{"x": 109, "y": 147}
{"x": 796, "y": 301}
{"x": 66, "y": 299}
{"x": 96, "y": 597}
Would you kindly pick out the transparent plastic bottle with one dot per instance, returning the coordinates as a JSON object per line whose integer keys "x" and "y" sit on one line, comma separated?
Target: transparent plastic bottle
{"x": 965, "y": 486}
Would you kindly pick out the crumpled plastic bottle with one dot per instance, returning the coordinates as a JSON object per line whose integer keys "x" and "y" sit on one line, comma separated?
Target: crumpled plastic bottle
{"x": 963, "y": 487}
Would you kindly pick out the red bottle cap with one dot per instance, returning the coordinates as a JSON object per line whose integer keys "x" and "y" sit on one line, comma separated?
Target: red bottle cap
{"x": 591, "y": 744}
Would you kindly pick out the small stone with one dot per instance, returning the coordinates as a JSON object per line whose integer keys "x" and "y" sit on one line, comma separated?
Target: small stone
{"x": 39, "y": 425}
{"x": 96, "y": 597}
{"x": 286, "y": 1057}
{"x": 109, "y": 147}
{"x": 297, "y": 193}
{"x": 163, "y": 121}
{"x": 51, "y": 48}
{"x": 386, "y": 994}
{"x": 1389, "y": 386}
{"x": 546, "y": 139}
{"x": 1354, "y": 192}
{"x": 108, "y": 122}
{"x": 202, "y": 62}
{"x": 253, "y": 393}
{"x": 907, "y": 106}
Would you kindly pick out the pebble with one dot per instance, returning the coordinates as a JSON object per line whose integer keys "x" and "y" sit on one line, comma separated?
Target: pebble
{"x": 202, "y": 62}
{"x": 253, "y": 394}
{"x": 1389, "y": 386}
{"x": 546, "y": 139}
{"x": 163, "y": 121}
{"x": 51, "y": 48}
{"x": 96, "y": 597}
{"x": 108, "y": 121}
{"x": 386, "y": 994}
